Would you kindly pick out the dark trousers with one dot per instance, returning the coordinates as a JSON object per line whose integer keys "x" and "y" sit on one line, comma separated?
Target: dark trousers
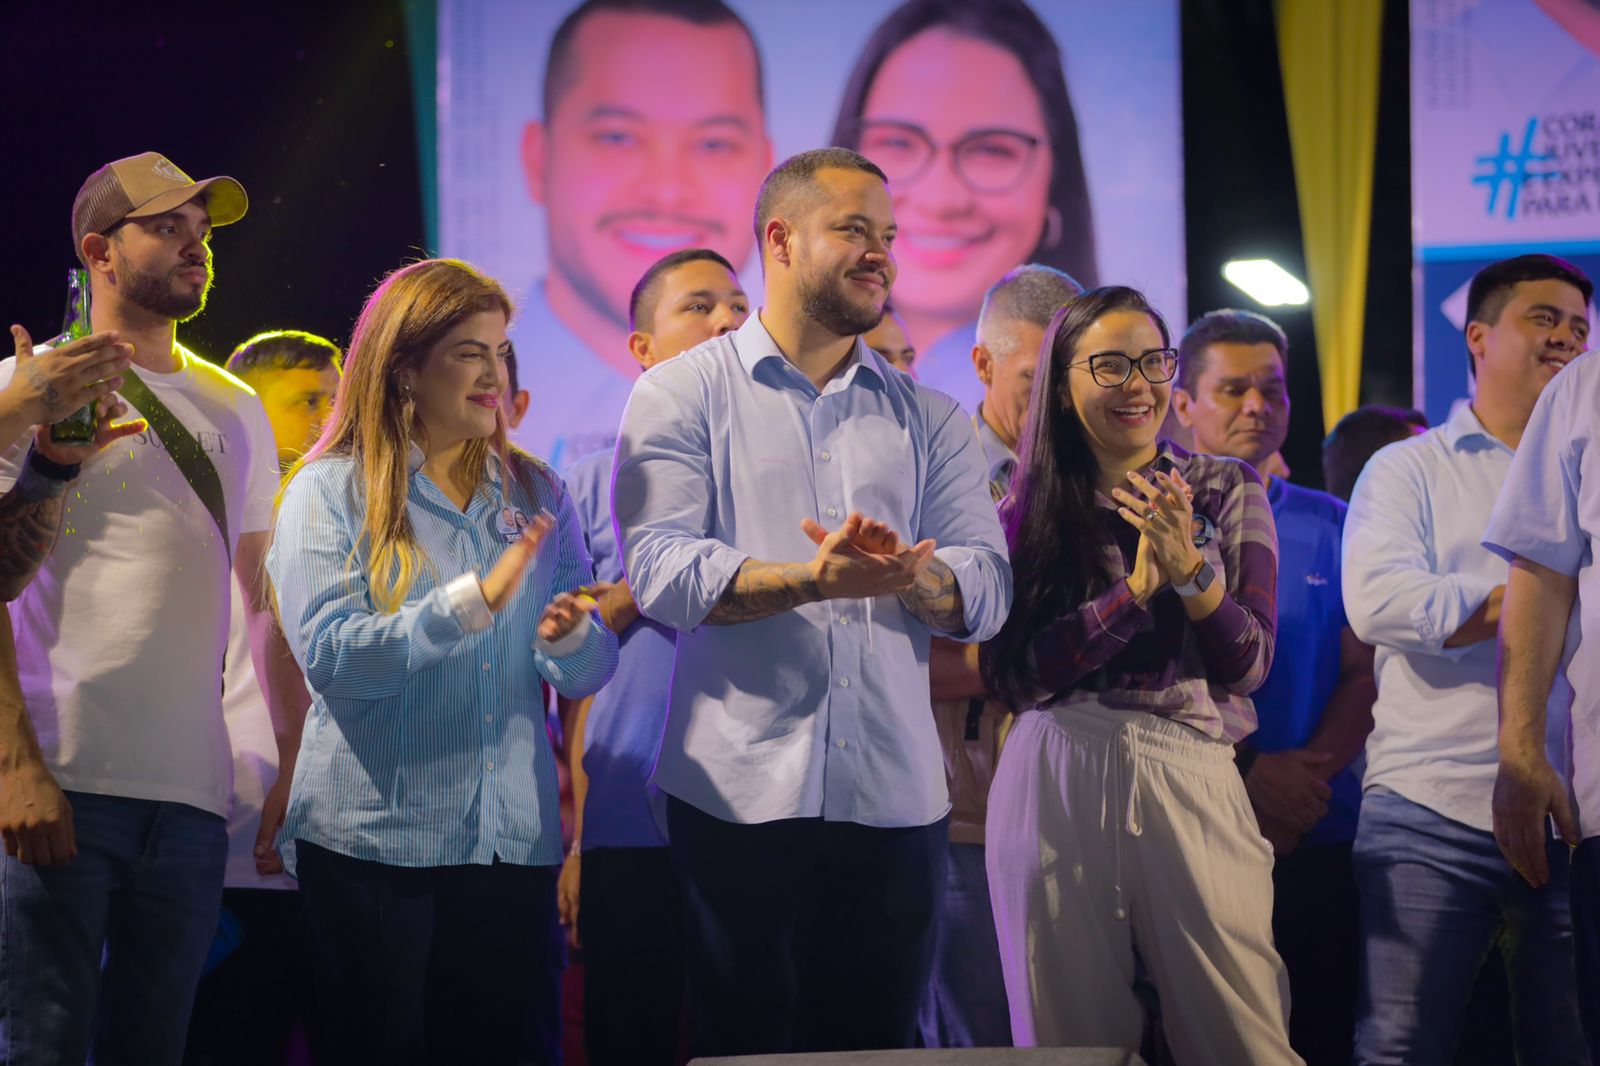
{"x": 1316, "y": 924}
{"x": 630, "y": 922}
{"x": 1586, "y": 937}
{"x": 246, "y": 1010}
{"x": 806, "y": 935}
{"x": 430, "y": 964}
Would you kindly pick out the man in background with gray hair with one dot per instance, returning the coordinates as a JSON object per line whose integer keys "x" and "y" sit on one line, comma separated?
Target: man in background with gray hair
{"x": 1016, "y": 311}
{"x": 965, "y": 1005}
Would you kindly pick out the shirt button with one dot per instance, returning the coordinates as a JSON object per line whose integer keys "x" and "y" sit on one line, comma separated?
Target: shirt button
{"x": 826, "y": 456}
{"x": 840, "y": 742}
{"x": 844, "y": 619}
{"x": 488, "y": 718}
{"x": 486, "y": 668}
{"x": 491, "y": 765}
{"x": 833, "y": 512}
{"x": 844, "y": 682}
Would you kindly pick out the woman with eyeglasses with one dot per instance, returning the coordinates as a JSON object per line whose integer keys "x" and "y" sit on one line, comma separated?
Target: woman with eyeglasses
{"x": 965, "y": 107}
{"x": 1143, "y": 617}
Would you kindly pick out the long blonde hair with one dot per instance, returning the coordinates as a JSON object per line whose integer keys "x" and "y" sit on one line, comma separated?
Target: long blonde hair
{"x": 409, "y": 312}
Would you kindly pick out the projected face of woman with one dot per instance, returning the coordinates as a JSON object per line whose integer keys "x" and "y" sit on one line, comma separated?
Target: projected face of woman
{"x": 959, "y": 129}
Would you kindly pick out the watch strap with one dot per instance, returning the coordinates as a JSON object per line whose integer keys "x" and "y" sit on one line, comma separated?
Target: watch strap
{"x": 1198, "y": 583}
{"x": 50, "y": 468}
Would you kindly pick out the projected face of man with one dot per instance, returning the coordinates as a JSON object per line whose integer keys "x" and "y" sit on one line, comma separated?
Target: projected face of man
{"x": 656, "y": 143}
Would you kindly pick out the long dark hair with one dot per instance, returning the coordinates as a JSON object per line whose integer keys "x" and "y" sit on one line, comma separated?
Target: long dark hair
{"x": 1013, "y": 26}
{"x": 1050, "y": 520}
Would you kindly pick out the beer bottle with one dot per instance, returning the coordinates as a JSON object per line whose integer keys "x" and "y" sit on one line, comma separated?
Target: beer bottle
{"x": 78, "y": 427}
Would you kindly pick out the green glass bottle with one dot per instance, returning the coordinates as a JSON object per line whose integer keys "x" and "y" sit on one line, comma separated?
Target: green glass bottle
{"x": 78, "y": 427}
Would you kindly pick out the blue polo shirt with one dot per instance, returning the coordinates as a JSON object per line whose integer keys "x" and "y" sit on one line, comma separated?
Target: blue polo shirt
{"x": 1305, "y": 666}
{"x": 623, "y": 733}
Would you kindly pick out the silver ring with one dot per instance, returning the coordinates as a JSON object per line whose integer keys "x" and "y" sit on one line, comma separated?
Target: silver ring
{"x": 1151, "y": 515}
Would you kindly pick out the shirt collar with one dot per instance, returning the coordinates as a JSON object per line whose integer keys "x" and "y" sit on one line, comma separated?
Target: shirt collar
{"x": 1464, "y": 424}
{"x": 754, "y": 346}
{"x": 1001, "y": 459}
{"x": 414, "y": 458}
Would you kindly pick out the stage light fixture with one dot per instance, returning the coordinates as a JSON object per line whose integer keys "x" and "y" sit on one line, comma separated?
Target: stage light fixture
{"x": 1267, "y": 283}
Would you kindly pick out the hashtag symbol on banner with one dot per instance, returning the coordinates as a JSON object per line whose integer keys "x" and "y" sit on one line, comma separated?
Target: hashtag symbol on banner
{"x": 1509, "y": 171}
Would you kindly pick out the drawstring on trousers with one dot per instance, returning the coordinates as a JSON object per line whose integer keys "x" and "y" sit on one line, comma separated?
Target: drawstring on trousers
{"x": 1127, "y": 744}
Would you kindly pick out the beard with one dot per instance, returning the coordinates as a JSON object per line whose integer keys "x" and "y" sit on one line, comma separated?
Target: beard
{"x": 826, "y": 301}
{"x": 154, "y": 292}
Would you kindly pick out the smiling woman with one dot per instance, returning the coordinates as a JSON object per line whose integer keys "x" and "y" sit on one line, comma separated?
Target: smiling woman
{"x": 425, "y": 769}
{"x": 1144, "y": 616}
{"x": 985, "y": 167}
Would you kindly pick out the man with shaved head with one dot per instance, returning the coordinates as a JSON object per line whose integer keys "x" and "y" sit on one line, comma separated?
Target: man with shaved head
{"x": 806, "y": 519}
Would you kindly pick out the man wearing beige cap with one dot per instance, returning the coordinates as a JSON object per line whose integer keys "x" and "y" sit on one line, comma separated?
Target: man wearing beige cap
{"x": 114, "y": 784}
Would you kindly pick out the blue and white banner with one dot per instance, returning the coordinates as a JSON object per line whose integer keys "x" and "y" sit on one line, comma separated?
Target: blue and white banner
{"x": 1505, "y": 158}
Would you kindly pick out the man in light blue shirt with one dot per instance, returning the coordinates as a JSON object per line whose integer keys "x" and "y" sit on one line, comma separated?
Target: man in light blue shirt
{"x": 1547, "y": 525}
{"x": 618, "y": 890}
{"x": 1436, "y": 894}
{"x": 766, "y": 487}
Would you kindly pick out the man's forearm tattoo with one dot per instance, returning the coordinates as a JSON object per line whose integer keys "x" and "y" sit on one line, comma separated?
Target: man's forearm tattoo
{"x": 760, "y": 590}
{"x": 935, "y": 600}
{"x": 30, "y": 519}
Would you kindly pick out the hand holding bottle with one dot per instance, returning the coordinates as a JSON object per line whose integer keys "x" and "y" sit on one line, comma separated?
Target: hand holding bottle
{"x": 50, "y": 386}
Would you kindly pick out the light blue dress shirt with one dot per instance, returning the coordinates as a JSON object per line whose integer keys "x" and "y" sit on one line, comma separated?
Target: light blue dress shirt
{"x": 821, "y": 710}
{"x": 1414, "y": 572}
{"x": 425, "y": 743}
{"x": 1549, "y": 512}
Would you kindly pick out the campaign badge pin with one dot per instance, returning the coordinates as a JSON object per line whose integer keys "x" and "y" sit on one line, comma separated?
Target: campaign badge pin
{"x": 1202, "y": 529}
{"x": 511, "y": 524}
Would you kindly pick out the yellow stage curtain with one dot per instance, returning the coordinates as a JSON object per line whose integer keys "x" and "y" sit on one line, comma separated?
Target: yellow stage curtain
{"x": 1329, "y": 51}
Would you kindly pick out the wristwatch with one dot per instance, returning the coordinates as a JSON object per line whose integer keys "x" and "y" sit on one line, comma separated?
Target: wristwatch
{"x": 1198, "y": 583}
{"x": 42, "y": 478}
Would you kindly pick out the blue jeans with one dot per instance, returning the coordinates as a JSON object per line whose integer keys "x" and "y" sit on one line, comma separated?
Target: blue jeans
{"x": 1435, "y": 896}
{"x": 142, "y": 898}
{"x": 965, "y": 1004}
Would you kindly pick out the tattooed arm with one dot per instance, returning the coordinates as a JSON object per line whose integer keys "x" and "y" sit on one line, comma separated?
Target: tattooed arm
{"x": 30, "y": 518}
{"x": 935, "y": 600}
{"x": 760, "y": 590}
{"x": 845, "y": 567}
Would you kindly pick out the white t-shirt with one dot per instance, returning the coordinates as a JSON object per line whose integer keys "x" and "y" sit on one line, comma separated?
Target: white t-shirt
{"x": 120, "y": 636}
{"x": 255, "y": 754}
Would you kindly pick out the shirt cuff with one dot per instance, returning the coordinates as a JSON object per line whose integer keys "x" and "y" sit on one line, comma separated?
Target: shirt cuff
{"x": 564, "y": 646}
{"x": 1453, "y": 600}
{"x": 465, "y": 596}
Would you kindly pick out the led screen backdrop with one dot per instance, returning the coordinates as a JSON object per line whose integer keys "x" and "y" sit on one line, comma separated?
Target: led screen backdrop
{"x": 1010, "y": 133}
{"x": 1505, "y": 159}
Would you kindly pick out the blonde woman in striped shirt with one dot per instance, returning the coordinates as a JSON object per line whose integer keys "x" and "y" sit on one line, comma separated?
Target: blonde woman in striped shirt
{"x": 423, "y": 820}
